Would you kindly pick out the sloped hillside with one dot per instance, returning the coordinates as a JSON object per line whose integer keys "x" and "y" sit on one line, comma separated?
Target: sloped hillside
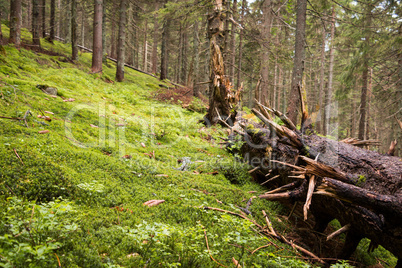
{"x": 77, "y": 168}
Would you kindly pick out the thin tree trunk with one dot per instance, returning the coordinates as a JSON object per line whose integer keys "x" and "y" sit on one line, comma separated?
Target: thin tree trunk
{"x": 265, "y": 44}
{"x": 43, "y": 17}
{"x": 104, "y": 52}
{"x": 233, "y": 45}
{"x": 113, "y": 36}
{"x": 52, "y": 20}
{"x": 164, "y": 49}
{"x": 15, "y": 22}
{"x": 83, "y": 26}
{"x": 275, "y": 83}
{"x": 97, "y": 37}
{"x": 369, "y": 94}
{"x": 74, "y": 30}
{"x": 1, "y": 32}
{"x": 225, "y": 50}
{"x": 121, "y": 42}
{"x": 321, "y": 95}
{"x": 330, "y": 76}
{"x": 298, "y": 66}
{"x": 363, "y": 100}
{"x": 35, "y": 23}
{"x": 183, "y": 63}
{"x": 60, "y": 18}
{"x": 238, "y": 83}
{"x": 279, "y": 88}
{"x": 155, "y": 42}
{"x": 28, "y": 21}
{"x": 196, "y": 50}
{"x": 145, "y": 54}
{"x": 67, "y": 20}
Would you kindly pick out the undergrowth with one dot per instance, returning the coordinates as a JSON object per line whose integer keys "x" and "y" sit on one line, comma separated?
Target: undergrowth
{"x": 73, "y": 196}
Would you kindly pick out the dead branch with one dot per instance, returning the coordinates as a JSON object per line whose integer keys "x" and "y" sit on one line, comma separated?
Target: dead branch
{"x": 338, "y": 232}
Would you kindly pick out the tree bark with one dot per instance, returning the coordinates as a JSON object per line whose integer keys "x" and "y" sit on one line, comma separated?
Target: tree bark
{"x": 164, "y": 49}
{"x": 52, "y": 20}
{"x": 145, "y": 54}
{"x": 238, "y": 83}
{"x": 97, "y": 37}
{"x": 113, "y": 37}
{"x": 222, "y": 99}
{"x": 330, "y": 78}
{"x": 233, "y": 44}
{"x": 265, "y": 50}
{"x": 298, "y": 65}
{"x": 43, "y": 17}
{"x": 1, "y": 32}
{"x": 35, "y": 23}
{"x": 196, "y": 62}
{"x": 121, "y": 42}
{"x": 74, "y": 30}
{"x": 155, "y": 42}
{"x": 104, "y": 53}
{"x": 15, "y": 22}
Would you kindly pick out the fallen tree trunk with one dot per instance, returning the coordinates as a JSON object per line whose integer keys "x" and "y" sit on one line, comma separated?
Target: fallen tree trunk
{"x": 360, "y": 188}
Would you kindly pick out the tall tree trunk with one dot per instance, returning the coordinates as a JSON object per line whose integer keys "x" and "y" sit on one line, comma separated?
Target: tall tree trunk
{"x": 369, "y": 94}
{"x": 136, "y": 46}
{"x": 265, "y": 47}
{"x": 155, "y": 42}
{"x": 67, "y": 21}
{"x": 238, "y": 83}
{"x": 52, "y": 20}
{"x": 196, "y": 50}
{"x": 1, "y": 32}
{"x": 353, "y": 117}
{"x": 35, "y": 23}
{"x": 298, "y": 65}
{"x": 43, "y": 17}
{"x": 28, "y": 21}
{"x": 145, "y": 54}
{"x": 121, "y": 42}
{"x": 164, "y": 49}
{"x": 321, "y": 95}
{"x": 279, "y": 88}
{"x": 113, "y": 34}
{"x": 225, "y": 50}
{"x": 183, "y": 63}
{"x": 15, "y": 22}
{"x": 97, "y": 37}
{"x": 83, "y": 15}
{"x": 59, "y": 14}
{"x": 233, "y": 44}
{"x": 104, "y": 52}
{"x": 275, "y": 83}
{"x": 74, "y": 30}
{"x": 330, "y": 77}
{"x": 363, "y": 100}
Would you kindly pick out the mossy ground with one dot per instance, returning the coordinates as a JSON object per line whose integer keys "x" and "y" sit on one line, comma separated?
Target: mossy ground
{"x": 106, "y": 153}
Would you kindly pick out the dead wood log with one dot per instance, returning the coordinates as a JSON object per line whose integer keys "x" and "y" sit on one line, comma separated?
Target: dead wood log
{"x": 360, "y": 188}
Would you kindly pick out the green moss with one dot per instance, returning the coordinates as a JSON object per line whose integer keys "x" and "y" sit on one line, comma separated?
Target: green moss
{"x": 109, "y": 151}
{"x": 361, "y": 180}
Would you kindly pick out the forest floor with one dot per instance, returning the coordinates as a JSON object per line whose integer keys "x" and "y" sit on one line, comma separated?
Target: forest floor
{"x": 77, "y": 171}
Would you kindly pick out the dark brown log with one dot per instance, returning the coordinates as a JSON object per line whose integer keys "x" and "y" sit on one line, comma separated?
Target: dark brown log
{"x": 356, "y": 186}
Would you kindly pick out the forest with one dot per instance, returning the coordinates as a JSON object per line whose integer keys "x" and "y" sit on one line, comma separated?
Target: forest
{"x": 200, "y": 133}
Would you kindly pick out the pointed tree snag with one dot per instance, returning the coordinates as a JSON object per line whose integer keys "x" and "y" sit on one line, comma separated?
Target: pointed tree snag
{"x": 223, "y": 99}
{"x": 336, "y": 180}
